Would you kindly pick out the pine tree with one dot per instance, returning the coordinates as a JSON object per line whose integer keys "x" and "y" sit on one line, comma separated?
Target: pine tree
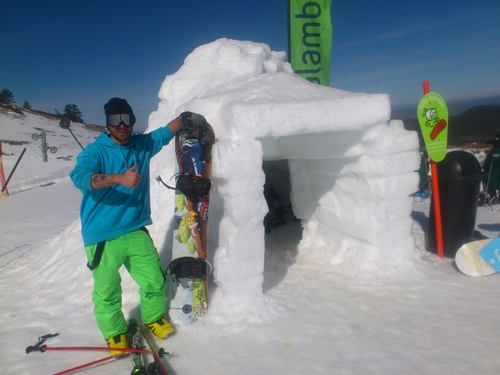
{"x": 72, "y": 112}
{"x": 7, "y": 97}
{"x": 26, "y": 105}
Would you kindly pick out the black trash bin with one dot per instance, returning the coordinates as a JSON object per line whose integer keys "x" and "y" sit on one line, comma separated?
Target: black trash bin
{"x": 459, "y": 176}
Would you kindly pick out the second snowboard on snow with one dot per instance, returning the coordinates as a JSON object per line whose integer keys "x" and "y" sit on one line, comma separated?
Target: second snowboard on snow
{"x": 479, "y": 258}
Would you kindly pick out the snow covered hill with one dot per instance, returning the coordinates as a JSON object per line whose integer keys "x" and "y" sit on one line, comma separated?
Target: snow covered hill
{"x": 21, "y": 128}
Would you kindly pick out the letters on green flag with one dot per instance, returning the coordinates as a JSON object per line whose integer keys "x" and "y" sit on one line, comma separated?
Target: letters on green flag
{"x": 310, "y": 39}
{"x": 432, "y": 115}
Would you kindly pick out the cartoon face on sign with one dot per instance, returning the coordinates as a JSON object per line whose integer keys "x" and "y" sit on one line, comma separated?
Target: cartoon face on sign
{"x": 433, "y": 121}
{"x": 432, "y": 115}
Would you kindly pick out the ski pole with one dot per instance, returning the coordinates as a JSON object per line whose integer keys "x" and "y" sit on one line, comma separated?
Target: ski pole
{"x": 155, "y": 355}
{"x": 75, "y": 138}
{"x": 13, "y": 170}
{"x": 65, "y": 123}
{"x": 88, "y": 364}
{"x": 38, "y": 346}
{"x": 45, "y": 348}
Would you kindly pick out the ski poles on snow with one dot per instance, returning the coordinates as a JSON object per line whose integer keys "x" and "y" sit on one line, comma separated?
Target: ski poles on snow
{"x": 40, "y": 347}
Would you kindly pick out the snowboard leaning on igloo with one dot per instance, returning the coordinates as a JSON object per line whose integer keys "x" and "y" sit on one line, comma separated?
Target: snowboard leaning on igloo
{"x": 187, "y": 273}
{"x": 479, "y": 258}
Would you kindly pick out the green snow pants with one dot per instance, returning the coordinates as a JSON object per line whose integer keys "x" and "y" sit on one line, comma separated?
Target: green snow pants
{"x": 136, "y": 251}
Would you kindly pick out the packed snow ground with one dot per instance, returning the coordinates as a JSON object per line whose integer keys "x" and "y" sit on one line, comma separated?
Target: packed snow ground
{"x": 319, "y": 320}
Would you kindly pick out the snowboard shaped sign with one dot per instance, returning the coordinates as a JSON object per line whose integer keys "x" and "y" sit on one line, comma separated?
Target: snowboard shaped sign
{"x": 432, "y": 115}
{"x": 188, "y": 290}
{"x": 479, "y": 258}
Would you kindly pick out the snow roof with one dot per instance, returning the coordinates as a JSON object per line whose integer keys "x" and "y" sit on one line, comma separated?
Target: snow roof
{"x": 246, "y": 90}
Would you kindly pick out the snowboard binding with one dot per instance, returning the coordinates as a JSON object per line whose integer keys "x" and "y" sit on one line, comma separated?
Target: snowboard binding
{"x": 189, "y": 185}
{"x": 189, "y": 268}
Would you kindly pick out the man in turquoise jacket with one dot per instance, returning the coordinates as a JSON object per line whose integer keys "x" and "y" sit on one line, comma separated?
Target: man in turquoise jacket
{"x": 113, "y": 174}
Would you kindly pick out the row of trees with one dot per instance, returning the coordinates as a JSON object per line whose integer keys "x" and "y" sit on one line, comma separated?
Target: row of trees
{"x": 71, "y": 111}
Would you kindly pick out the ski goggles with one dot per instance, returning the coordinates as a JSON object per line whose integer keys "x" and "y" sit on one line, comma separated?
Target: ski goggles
{"x": 125, "y": 119}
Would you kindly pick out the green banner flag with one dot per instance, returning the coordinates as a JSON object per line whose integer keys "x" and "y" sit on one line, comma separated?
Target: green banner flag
{"x": 310, "y": 39}
{"x": 432, "y": 115}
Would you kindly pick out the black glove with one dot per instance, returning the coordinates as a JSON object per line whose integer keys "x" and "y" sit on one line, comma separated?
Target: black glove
{"x": 194, "y": 124}
{"x": 191, "y": 119}
{"x": 196, "y": 127}
{"x": 185, "y": 117}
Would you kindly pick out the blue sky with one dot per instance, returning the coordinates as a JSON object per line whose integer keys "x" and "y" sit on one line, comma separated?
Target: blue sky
{"x": 83, "y": 52}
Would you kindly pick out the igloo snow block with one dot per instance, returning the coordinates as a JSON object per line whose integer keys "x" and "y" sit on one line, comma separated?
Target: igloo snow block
{"x": 459, "y": 176}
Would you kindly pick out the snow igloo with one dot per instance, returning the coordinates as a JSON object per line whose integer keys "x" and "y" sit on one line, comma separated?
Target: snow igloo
{"x": 351, "y": 168}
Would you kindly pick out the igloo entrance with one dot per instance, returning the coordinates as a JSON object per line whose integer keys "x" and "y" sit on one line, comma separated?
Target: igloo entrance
{"x": 283, "y": 236}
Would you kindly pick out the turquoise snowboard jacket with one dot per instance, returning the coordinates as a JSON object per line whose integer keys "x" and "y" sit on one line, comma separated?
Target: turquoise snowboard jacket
{"x": 116, "y": 210}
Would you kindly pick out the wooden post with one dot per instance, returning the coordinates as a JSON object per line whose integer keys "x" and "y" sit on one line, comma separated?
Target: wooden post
{"x": 2, "y": 175}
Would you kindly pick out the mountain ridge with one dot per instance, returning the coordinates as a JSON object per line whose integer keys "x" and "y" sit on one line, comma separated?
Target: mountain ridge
{"x": 470, "y": 122}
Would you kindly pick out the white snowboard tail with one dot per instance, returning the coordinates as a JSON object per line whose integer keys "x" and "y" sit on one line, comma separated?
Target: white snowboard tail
{"x": 470, "y": 262}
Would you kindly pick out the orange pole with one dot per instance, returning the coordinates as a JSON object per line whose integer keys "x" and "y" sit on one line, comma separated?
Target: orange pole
{"x": 436, "y": 197}
{"x": 3, "y": 191}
